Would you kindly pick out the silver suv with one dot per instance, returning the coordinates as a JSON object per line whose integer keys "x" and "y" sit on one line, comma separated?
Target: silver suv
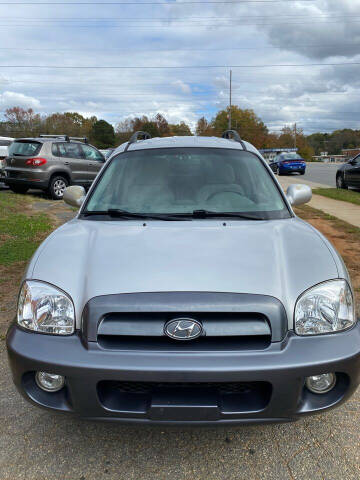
{"x": 186, "y": 291}
{"x": 51, "y": 163}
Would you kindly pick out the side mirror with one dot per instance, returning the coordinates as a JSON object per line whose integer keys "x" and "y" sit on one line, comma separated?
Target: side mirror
{"x": 74, "y": 195}
{"x": 298, "y": 194}
{"x": 353, "y": 162}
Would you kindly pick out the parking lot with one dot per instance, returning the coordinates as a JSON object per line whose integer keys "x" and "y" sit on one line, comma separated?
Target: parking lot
{"x": 321, "y": 173}
{"x": 36, "y": 444}
{"x": 186, "y": 304}
{"x": 40, "y": 445}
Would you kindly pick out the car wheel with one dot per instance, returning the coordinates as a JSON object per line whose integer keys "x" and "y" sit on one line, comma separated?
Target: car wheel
{"x": 278, "y": 172}
{"x": 340, "y": 182}
{"x": 302, "y": 173}
{"x": 57, "y": 187}
{"x": 18, "y": 188}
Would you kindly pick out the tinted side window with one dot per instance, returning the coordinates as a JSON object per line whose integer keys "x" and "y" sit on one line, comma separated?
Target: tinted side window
{"x": 54, "y": 149}
{"x": 91, "y": 154}
{"x": 69, "y": 150}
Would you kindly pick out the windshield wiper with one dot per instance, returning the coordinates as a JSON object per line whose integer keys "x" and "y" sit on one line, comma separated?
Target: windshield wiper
{"x": 118, "y": 213}
{"x": 210, "y": 214}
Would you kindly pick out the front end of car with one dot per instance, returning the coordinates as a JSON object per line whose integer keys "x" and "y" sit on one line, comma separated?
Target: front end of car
{"x": 243, "y": 365}
{"x": 190, "y": 295}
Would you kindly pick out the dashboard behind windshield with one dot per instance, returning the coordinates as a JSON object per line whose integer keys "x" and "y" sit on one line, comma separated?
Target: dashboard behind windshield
{"x": 181, "y": 180}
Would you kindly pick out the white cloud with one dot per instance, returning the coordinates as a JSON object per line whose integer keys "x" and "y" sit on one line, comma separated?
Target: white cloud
{"x": 11, "y": 99}
{"x": 182, "y": 86}
{"x": 196, "y": 35}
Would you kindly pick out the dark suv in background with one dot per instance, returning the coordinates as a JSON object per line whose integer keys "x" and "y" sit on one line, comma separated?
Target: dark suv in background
{"x": 51, "y": 163}
{"x": 348, "y": 175}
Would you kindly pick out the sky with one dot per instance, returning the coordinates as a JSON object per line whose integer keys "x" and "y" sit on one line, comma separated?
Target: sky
{"x": 292, "y": 61}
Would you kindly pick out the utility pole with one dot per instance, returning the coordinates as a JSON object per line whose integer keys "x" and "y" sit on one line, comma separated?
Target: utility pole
{"x": 294, "y": 135}
{"x": 230, "y": 100}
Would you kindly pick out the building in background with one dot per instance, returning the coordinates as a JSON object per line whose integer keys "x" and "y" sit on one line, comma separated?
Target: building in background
{"x": 270, "y": 153}
{"x": 326, "y": 158}
{"x": 350, "y": 153}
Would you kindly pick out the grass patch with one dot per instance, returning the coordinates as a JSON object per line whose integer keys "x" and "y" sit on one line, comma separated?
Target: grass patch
{"x": 21, "y": 234}
{"x": 307, "y": 213}
{"x": 338, "y": 194}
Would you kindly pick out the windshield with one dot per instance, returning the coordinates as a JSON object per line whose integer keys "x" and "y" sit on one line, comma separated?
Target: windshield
{"x": 183, "y": 180}
{"x": 290, "y": 156}
{"x": 26, "y": 148}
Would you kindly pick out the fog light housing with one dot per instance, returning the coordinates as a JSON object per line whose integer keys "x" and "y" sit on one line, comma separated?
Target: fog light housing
{"x": 50, "y": 382}
{"x": 321, "y": 383}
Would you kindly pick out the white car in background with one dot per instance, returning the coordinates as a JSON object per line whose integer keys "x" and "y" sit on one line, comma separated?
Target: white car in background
{"x": 5, "y": 143}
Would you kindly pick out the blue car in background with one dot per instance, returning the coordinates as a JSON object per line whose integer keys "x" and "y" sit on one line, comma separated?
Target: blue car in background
{"x": 288, "y": 162}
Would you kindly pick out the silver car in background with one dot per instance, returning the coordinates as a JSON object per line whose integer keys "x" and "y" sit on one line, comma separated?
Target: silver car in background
{"x": 5, "y": 143}
{"x": 51, "y": 163}
{"x": 186, "y": 291}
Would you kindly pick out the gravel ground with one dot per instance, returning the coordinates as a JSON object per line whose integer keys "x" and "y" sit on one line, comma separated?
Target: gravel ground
{"x": 36, "y": 444}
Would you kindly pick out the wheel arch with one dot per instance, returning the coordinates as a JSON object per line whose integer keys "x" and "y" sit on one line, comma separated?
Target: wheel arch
{"x": 61, "y": 173}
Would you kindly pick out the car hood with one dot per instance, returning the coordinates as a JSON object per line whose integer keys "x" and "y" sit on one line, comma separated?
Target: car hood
{"x": 280, "y": 258}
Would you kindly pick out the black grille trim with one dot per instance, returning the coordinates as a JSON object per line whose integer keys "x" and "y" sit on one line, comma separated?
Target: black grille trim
{"x": 184, "y": 400}
{"x": 150, "y": 387}
{"x": 176, "y": 303}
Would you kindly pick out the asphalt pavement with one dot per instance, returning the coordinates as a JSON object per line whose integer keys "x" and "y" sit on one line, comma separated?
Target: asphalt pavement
{"x": 322, "y": 173}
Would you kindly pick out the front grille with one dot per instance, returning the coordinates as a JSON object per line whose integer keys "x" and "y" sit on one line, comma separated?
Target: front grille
{"x": 230, "y": 321}
{"x": 221, "y": 331}
{"x": 166, "y": 344}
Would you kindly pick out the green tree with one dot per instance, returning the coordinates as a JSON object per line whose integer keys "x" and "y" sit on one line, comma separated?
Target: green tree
{"x": 287, "y": 139}
{"x": 152, "y": 128}
{"x": 180, "y": 129}
{"x": 102, "y": 134}
{"x": 203, "y": 128}
{"x": 318, "y": 141}
{"x": 21, "y": 123}
{"x": 162, "y": 125}
{"x": 68, "y": 123}
{"x": 245, "y": 122}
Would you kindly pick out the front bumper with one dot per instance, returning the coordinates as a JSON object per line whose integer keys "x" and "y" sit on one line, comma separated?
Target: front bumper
{"x": 274, "y": 377}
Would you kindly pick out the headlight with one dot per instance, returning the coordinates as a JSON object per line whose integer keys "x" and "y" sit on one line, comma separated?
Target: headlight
{"x": 325, "y": 308}
{"x": 44, "y": 308}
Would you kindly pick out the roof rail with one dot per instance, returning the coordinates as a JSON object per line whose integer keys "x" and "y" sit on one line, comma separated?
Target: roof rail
{"x": 233, "y": 135}
{"x": 135, "y": 137}
{"x": 80, "y": 139}
{"x": 66, "y": 137}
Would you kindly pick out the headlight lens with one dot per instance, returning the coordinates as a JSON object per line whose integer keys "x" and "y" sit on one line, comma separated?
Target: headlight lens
{"x": 44, "y": 308}
{"x": 325, "y": 308}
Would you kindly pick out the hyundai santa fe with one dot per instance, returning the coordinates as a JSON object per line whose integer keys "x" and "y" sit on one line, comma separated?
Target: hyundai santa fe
{"x": 186, "y": 291}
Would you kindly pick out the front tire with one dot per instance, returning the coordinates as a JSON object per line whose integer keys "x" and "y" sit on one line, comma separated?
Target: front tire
{"x": 18, "y": 188}
{"x": 57, "y": 187}
{"x": 340, "y": 182}
{"x": 302, "y": 173}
